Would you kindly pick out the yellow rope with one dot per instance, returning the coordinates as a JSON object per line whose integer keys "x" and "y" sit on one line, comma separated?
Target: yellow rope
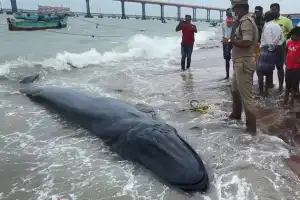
{"x": 203, "y": 109}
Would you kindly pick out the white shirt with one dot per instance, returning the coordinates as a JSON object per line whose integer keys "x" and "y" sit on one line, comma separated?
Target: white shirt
{"x": 271, "y": 35}
{"x": 226, "y": 30}
{"x": 298, "y": 24}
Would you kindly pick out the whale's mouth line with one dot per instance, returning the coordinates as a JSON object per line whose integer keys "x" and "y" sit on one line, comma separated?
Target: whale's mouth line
{"x": 196, "y": 156}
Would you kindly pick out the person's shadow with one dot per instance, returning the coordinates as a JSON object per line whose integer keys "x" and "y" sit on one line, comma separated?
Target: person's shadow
{"x": 188, "y": 86}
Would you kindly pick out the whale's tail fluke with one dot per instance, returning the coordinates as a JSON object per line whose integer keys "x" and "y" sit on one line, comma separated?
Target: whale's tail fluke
{"x": 29, "y": 79}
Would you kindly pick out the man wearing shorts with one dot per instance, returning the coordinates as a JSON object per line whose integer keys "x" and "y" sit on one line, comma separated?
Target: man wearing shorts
{"x": 292, "y": 75}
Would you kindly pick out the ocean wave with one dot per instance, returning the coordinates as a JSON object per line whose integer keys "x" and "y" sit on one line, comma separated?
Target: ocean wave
{"x": 138, "y": 47}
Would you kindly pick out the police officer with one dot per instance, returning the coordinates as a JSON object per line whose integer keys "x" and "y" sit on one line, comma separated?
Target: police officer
{"x": 244, "y": 40}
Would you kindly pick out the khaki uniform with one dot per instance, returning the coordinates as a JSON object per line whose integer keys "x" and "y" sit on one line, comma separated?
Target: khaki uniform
{"x": 244, "y": 61}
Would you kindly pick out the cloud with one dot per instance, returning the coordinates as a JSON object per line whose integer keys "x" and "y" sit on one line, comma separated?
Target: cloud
{"x": 110, "y": 6}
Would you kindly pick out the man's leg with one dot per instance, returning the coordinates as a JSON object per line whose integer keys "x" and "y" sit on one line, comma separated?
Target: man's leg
{"x": 260, "y": 82}
{"x": 297, "y": 82}
{"x": 279, "y": 65}
{"x": 227, "y": 58}
{"x": 227, "y": 65}
{"x": 270, "y": 81}
{"x": 183, "y": 56}
{"x": 280, "y": 74}
{"x": 236, "y": 113}
{"x": 287, "y": 88}
{"x": 189, "y": 56}
{"x": 268, "y": 76}
{"x": 245, "y": 68}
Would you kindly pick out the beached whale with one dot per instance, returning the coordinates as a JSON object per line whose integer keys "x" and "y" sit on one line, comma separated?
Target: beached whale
{"x": 132, "y": 132}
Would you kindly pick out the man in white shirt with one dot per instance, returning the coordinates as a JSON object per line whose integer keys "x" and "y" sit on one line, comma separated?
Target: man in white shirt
{"x": 271, "y": 38}
{"x": 298, "y": 24}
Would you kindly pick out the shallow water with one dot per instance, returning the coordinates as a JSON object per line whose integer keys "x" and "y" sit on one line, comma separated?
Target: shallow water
{"x": 42, "y": 156}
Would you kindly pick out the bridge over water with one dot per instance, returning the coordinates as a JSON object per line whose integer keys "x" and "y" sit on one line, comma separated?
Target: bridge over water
{"x": 162, "y": 4}
{"x": 143, "y": 3}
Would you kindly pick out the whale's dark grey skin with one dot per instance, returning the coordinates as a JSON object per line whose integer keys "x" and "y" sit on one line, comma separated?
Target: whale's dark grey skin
{"x": 129, "y": 131}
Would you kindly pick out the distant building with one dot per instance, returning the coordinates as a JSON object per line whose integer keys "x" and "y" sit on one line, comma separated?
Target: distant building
{"x": 52, "y": 9}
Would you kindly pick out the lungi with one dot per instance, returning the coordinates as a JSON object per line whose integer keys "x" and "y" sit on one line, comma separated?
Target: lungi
{"x": 266, "y": 60}
{"x": 227, "y": 51}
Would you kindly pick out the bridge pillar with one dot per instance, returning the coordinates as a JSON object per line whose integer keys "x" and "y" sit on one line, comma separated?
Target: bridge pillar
{"x": 143, "y": 11}
{"x": 123, "y": 9}
{"x": 178, "y": 13}
{"x": 162, "y": 12}
{"x": 221, "y": 15}
{"x": 14, "y": 7}
{"x": 208, "y": 15}
{"x": 194, "y": 15}
{"x": 88, "y": 10}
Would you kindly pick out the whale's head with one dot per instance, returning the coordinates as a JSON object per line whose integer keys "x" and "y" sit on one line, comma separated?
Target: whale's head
{"x": 159, "y": 148}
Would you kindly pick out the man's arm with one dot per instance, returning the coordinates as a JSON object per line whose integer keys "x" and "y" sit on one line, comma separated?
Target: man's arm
{"x": 268, "y": 32}
{"x": 279, "y": 36}
{"x": 298, "y": 57}
{"x": 247, "y": 35}
{"x": 223, "y": 30}
{"x": 195, "y": 29}
{"x": 179, "y": 26}
{"x": 288, "y": 25}
{"x": 286, "y": 50}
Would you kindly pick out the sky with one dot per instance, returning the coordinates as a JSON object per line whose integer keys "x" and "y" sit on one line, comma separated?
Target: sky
{"x": 114, "y": 7}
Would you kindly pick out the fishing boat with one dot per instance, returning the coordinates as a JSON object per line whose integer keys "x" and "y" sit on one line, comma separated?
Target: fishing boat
{"x": 34, "y": 25}
{"x": 26, "y": 16}
{"x": 40, "y": 16}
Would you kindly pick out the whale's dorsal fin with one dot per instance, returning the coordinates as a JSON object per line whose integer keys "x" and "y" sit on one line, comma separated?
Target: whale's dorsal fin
{"x": 29, "y": 79}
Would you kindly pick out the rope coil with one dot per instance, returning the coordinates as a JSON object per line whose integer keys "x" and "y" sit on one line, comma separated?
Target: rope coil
{"x": 196, "y": 106}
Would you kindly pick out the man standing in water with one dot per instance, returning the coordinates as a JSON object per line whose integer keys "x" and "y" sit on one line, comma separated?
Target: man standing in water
{"x": 286, "y": 26}
{"x": 226, "y": 30}
{"x": 243, "y": 41}
{"x": 187, "y": 44}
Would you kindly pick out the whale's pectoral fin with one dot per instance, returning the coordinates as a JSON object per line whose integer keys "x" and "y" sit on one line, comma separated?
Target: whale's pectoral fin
{"x": 144, "y": 108}
{"x": 29, "y": 79}
{"x": 147, "y": 109}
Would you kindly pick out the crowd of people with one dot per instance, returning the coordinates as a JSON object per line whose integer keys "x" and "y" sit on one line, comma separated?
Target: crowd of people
{"x": 258, "y": 43}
